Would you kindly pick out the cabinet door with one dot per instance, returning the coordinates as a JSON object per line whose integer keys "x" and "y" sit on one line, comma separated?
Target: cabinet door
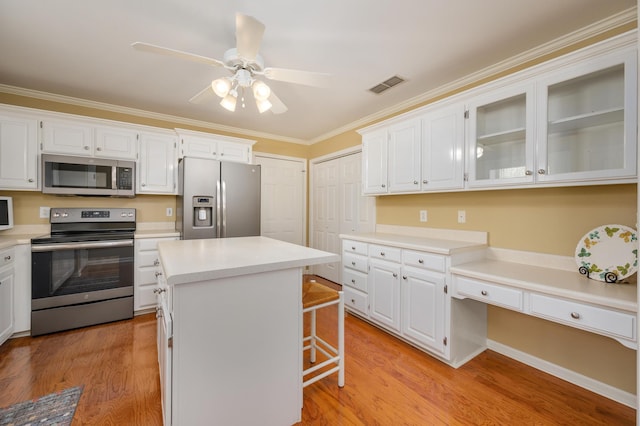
{"x": 374, "y": 162}
{"x": 165, "y": 354}
{"x": 67, "y": 137}
{"x": 500, "y": 138}
{"x": 384, "y": 293}
{"x": 588, "y": 120}
{"x": 199, "y": 147}
{"x": 6, "y": 303}
{"x": 404, "y": 156}
{"x": 157, "y": 168}
{"x": 423, "y": 308}
{"x": 230, "y": 151}
{"x": 114, "y": 142}
{"x": 18, "y": 152}
{"x": 442, "y": 149}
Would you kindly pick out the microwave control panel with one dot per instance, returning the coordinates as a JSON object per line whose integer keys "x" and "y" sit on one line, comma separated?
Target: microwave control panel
{"x": 125, "y": 178}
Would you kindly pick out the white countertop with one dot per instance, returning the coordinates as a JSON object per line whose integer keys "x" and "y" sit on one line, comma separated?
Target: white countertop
{"x": 555, "y": 282}
{"x": 432, "y": 245}
{"x": 185, "y": 261}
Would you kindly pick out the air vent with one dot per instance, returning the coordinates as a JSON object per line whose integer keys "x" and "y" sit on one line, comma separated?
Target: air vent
{"x": 387, "y": 84}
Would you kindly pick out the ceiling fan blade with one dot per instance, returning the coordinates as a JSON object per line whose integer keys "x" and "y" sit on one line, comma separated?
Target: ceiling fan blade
{"x": 277, "y": 106}
{"x": 249, "y": 33}
{"x": 306, "y": 78}
{"x": 203, "y": 95}
{"x": 146, "y": 47}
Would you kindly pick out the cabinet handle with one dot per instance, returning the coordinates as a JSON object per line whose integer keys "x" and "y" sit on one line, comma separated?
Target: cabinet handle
{"x": 159, "y": 290}
{"x": 425, "y": 181}
{"x": 353, "y": 281}
{"x": 156, "y": 262}
{"x": 575, "y": 315}
{"x": 541, "y": 171}
{"x": 158, "y": 274}
{"x": 384, "y": 186}
{"x": 420, "y": 261}
{"x": 221, "y": 154}
{"x": 353, "y": 248}
{"x": 7, "y": 258}
{"x": 484, "y": 292}
{"x": 353, "y": 301}
{"x": 395, "y": 275}
{"x": 214, "y": 153}
{"x": 528, "y": 172}
{"x": 143, "y": 184}
{"x": 30, "y": 180}
{"x": 86, "y": 148}
{"x": 415, "y": 182}
{"x": 404, "y": 277}
{"x": 98, "y": 149}
{"x": 381, "y": 253}
{"x": 353, "y": 263}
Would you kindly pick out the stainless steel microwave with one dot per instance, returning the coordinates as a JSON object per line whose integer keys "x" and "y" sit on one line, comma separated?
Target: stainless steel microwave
{"x": 68, "y": 175}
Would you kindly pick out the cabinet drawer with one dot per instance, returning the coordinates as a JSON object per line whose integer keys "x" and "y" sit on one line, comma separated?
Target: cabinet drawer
{"x": 354, "y": 279}
{"x": 7, "y": 257}
{"x": 356, "y": 300}
{"x": 489, "y": 293}
{"x": 147, "y": 275}
{"x": 392, "y": 254}
{"x": 423, "y": 260}
{"x": 147, "y": 258}
{"x": 358, "y": 247}
{"x": 600, "y": 320}
{"x": 145, "y": 244}
{"x": 146, "y": 297}
{"x": 354, "y": 261}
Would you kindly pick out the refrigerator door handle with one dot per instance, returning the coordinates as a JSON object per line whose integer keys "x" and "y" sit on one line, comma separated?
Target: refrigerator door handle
{"x": 218, "y": 209}
{"x": 223, "y": 231}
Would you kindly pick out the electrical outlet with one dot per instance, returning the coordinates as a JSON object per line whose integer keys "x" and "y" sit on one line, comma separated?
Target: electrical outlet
{"x": 423, "y": 215}
{"x": 462, "y": 216}
{"x": 44, "y": 212}
{"x": 169, "y": 212}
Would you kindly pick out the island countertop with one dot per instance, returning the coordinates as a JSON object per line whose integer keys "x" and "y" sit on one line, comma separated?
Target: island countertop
{"x": 186, "y": 261}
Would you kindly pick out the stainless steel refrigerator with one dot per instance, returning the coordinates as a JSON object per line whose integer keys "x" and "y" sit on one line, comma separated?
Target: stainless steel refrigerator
{"x": 217, "y": 199}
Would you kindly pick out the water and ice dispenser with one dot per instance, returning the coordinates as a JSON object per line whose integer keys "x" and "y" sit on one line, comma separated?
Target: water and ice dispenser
{"x": 202, "y": 211}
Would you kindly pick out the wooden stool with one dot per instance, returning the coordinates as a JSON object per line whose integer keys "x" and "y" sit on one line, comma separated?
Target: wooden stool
{"x": 317, "y": 296}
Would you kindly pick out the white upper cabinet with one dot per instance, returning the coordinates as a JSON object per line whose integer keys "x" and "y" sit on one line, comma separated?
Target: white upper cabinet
{"x": 443, "y": 148}
{"x": 80, "y": 138}
{"x": 587, "y": 120}
{"x": 116, "y": 142}
{"x": 500, "y": 137}
{"x": 374, "y": 162}
{"x": 18, "y": 152}
{"x": 215, "y": 147}
{"x": 157, "y": 168}
{"x": 403, "y": 166}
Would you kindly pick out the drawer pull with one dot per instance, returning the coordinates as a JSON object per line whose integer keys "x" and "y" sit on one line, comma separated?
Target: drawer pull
{"x": 353, "y": 263}
{"x": 420, "y": 261}
{"x": 395, "y": 275}
{"x": 404, "y": 277}
{"x": 7, "y": 258}
{"x": 156, "y": 262}
{"x": 381, "y": 253}
{"x": 353, "y": 248}
{"x": 353, "y": 281}
{"x": 484, "y": 292}
{"x": 575, "y": 315}
{"x": 159, "y": 290}
{"x": 158, "y": 274}
{"x": 353, "y": 301}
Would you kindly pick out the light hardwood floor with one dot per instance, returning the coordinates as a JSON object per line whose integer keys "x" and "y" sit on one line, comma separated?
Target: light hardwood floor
{"x": 387, "y": 382}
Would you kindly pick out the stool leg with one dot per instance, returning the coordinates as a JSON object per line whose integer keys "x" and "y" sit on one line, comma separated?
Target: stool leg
{"x": 312, "y": 350}
{"x": 341, "y": 340}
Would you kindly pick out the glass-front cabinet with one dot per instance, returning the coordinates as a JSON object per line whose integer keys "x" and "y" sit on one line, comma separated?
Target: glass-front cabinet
{"x": 500, "y": 138}
{"x": 587, "y": 117}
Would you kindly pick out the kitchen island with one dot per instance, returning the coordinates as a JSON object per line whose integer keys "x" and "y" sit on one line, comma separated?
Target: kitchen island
{"x": 230, "y": 330}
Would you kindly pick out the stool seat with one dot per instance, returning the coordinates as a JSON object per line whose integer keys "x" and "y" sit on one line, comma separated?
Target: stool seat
{"x": 316, "y": 294}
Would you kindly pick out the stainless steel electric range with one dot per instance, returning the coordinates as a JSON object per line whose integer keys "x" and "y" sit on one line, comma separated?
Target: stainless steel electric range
{"x": 82, "y": 274}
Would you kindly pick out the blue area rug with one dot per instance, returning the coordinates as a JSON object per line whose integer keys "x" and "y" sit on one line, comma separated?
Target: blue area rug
{"x": 53, "y": 409}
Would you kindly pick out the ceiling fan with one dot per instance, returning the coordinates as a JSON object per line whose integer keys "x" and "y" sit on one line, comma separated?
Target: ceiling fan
{"x": 245, "y": 65}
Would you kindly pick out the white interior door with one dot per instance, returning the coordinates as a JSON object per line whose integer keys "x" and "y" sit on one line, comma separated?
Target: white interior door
{"x": 283, "y": 198}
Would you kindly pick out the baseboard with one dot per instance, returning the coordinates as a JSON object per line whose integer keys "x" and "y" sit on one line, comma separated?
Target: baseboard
{"x": 588, "y": 383}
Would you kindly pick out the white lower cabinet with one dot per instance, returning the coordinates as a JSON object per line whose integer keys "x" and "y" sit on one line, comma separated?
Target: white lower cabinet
{"x": 404, "y": 292}
{"x": 165, "y": 344}
{"x": 145, "y": 281}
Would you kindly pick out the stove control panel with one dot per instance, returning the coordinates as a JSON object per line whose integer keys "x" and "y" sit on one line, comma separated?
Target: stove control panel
{"x": 70, "y": 215}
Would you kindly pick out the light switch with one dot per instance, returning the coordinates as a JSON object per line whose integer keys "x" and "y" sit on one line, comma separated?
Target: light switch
{"x": 44, "y": 212}
{"x": 169, "y": 212}
{"x": 462, "y": 216}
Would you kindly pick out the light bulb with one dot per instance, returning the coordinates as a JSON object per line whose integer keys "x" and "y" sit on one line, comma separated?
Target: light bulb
{"x": 263, "y": 105}
{"x": 261, "y": 91}
{"x": 221, "y": 86}
{"x": 229, "y": 102}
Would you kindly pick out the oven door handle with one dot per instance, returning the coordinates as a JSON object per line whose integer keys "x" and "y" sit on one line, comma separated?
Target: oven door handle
{"x": 87, "y": 245}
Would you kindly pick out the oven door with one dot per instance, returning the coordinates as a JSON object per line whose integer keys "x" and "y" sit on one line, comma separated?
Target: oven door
{"x": 80, "y": 272}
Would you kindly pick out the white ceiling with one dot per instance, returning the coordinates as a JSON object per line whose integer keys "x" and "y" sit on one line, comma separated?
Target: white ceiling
{"x": 82, "y": 49}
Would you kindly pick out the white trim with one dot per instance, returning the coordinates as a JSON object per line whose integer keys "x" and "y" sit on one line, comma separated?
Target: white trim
{"x": 337, "y": 154}
{"x": 570, "y": 376}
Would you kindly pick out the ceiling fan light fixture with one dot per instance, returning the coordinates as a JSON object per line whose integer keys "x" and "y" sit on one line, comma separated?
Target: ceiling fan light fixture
{"x": 221, "y": 86}
{"x": 229, "y": 102}
{"x": 261, "y": 91}
{"x": 263, "y": 105}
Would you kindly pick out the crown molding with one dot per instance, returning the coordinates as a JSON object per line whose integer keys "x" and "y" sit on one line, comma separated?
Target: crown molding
{"x": 593, "y": 30}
